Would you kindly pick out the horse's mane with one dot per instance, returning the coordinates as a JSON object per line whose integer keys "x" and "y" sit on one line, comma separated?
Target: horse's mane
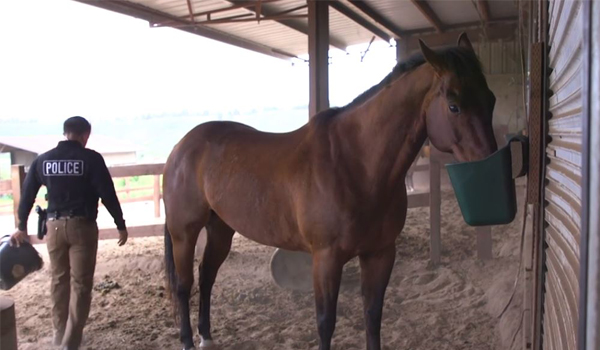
{"x": 462, "y": 61}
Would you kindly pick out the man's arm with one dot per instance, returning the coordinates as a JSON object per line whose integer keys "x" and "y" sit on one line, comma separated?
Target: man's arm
{"x": 102, "y": 182}
{"x": 31, "y": 186}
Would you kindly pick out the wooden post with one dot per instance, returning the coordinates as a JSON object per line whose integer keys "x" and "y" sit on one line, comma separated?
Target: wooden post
{"x": 127, "y": 188}
{"x": 8, "y": 325}
{"x": 484, "y": 242}
{"x": 18, "y": 176}
{"x": 318, "y": 51}
{"x": 157, "y": 196}
{"x": 402, "y": 52}
{"x": 435, "y": 205}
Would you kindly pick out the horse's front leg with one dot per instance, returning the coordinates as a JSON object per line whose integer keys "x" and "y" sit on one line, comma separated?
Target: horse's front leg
{"x": 327, "y": 275}
{"x": 375, "y": 271}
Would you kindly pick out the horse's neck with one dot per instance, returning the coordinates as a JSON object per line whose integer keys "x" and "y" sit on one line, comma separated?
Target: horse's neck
{"x": 389, "y": 129}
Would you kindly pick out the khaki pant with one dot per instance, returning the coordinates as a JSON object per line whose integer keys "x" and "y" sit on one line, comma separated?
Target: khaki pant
{"x": 72, "y": 246}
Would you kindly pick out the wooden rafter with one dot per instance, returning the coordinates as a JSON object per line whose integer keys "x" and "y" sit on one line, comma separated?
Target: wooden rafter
{"x": 484, "y": 9}
{"x": 346, "y": 11}
{"x": 504, "y": 31}
{"x": 191, "y": 10}
{"x": 387, "y": 24}
{"x": 240, "y": 18}
{"x": 428, "y": 12}
{"x": 290, "y": 23}
{"x": 235, "y": 5}
{"x": 499, "y": 22}
{"x": 154, "y": 16}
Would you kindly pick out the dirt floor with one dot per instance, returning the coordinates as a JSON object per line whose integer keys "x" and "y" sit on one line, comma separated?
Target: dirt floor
{"x": 453, "y": 306}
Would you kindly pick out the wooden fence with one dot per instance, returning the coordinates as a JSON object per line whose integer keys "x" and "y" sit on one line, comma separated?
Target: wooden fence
{"x": 13, "y": 187}
{"x": 431, "y": 199}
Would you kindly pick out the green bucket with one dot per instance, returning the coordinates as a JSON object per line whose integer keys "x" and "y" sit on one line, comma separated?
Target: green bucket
{"x": 485, "y": 189}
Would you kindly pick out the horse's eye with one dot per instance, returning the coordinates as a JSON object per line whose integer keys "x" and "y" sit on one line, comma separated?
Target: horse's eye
{"x": 454, "y": 109}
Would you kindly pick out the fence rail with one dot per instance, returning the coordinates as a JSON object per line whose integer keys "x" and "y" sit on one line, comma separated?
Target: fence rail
{"x": 431, "y": 199}
{"x": 13, "y": 187}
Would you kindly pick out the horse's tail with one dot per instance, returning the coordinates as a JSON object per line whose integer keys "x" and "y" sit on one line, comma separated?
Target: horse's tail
{"x": 170, "y": 272}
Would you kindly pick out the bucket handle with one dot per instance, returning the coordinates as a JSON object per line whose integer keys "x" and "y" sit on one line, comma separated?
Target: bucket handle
{"x": 519, "y": 149}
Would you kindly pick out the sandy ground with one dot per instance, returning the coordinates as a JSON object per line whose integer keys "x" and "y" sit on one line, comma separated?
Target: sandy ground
{"x": 453, "y": 306}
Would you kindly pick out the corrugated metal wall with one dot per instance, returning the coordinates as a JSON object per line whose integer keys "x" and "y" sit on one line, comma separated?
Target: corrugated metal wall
{"x": 563, "y": 177}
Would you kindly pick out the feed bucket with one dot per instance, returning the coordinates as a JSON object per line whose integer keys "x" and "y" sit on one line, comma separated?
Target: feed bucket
{"x": 16, "y": 263}
{"x": 292, "y": 270}
{"x": 485, "y": 189}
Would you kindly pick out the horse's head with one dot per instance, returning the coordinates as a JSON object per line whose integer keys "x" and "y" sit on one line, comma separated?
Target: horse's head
{"x": 460, "y": 105}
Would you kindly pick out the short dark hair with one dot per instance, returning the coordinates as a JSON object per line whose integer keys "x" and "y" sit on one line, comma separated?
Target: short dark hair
{"x": 77, "y": 126}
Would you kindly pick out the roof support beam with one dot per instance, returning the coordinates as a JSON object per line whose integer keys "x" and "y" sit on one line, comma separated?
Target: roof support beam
{"x": 234, "y": 6}
{"x": 268, "y": 10}
{"x": 343, "y": 9}
{"x": 191, "y": 10}
{"x": 504, "y": 31}
{"x": 154, "y": 16}
{"x": 367, "y": 10}
{"x": 232, "y": 19}
{"x": 484, "y": 9}
{"x": 428, "y": 12}
{"x": 402, "y": 52}
{"x": 318, "y": 51}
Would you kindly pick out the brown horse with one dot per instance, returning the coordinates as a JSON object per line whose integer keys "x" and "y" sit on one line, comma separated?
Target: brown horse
{"x": 333, "y": 188}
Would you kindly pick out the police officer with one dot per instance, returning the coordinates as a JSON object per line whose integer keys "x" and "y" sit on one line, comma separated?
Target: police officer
{"x": 76, "y": 177}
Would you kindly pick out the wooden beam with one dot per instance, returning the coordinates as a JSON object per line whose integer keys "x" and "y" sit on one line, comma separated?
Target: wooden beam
{"x": 318, "y": 51}
{"x": 235, "y": 5}
{"x": 232, "y": 19}
{"x": 499, "y": 22}
{"x": 367, "y": 10}
{"x": 153, "y": 16}
{"x": 418, "y": 200}
{"x": 484, "y": 9}
{"x": 346, "y": 11}
{"x": 113, "y": 233}
{"x": 484, "y": 242}
{"x": 136, "y": 170}
{"x": 156, "y": 196}
{"x": 493, "y": 31}
{"x": 298, "y": 26}
{"x": 402, "y": 52}
{"x": 17, "y": 176}
{"x": 429, "y": 14}
{"x": 435, "y": 211}
{"x": 190, "y": 10}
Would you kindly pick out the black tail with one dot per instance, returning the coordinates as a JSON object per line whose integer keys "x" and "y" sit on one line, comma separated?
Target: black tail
{"x": 170, "y": 272}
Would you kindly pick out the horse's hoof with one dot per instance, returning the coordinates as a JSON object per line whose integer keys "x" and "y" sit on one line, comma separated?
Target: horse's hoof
{"x": 192, "y": 348}
{"x": 206, "y": 343}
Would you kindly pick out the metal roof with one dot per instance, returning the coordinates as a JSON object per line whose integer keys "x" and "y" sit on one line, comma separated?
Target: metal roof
{"x": 279, "y": 27}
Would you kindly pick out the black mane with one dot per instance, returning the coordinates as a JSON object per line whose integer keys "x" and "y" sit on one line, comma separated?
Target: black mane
{"x": 460, "y": 60}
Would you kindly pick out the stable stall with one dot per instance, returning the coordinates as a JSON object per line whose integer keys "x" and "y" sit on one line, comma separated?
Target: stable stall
{"x": 541, "y": 59}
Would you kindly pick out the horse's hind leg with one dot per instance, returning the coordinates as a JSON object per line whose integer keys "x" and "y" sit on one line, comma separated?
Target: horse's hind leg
{"x": 218, "y": 244}
{"x": 184, "y": 243}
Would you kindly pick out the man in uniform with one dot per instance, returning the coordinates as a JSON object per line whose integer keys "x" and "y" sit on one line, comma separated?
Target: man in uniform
{"x": 76, "y": 177}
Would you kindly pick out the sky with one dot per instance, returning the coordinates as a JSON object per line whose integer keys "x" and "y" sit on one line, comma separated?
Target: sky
{"x": 61, "y": 58}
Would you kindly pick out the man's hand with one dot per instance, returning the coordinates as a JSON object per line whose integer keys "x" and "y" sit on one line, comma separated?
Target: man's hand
{"x": 18, "y": 237}
{"x": 122, "y": 237}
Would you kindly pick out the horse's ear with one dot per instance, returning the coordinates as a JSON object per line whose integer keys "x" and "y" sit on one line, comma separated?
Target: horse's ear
{"x": 431, "y": 57}
{"x": 464, "y": 42}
